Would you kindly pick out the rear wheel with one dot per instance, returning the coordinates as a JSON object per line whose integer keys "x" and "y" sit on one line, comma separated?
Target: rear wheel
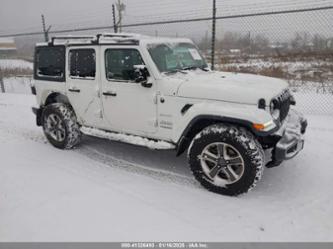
{"x": 226, "y": 159}
{"x": 60, "y": 126}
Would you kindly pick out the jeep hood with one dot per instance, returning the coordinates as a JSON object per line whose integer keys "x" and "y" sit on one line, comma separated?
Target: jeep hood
{"x": 230, "y": 87}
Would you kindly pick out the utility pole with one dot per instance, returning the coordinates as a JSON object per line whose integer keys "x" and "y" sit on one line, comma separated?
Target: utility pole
{"x": 206, "y": 41}
{"x": 120, "y": 7}
{"x": 115, "y": 28}
{"x": 2, "y": 86}
{"x": 45, "y": 30}
{"x": 250, "y": 42}
{"x": 213, "y": 34}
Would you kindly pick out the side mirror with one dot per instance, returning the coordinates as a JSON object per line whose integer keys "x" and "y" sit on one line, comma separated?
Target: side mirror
{"x": 141, "y": 75}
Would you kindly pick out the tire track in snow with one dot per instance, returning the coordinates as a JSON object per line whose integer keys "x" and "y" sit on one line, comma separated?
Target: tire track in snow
{"x": 159, "y": 174}
{"x": 110, "y": 161}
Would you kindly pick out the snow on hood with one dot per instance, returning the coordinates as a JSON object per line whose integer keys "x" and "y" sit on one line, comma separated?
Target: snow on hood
{"x": 231, "y": 87}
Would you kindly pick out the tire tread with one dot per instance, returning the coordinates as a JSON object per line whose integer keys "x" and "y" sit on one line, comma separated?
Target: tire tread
{"x": 74, "y": 135}
{"x": 253, "y": 150}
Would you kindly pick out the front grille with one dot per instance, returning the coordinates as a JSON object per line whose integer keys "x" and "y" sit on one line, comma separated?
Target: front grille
{"x": 284, "y": 100}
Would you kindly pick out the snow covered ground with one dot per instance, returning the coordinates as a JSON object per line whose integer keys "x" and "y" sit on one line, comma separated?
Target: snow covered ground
{"x": 18, "y": 85}
{"x": 291, "y": 67}
{"x": 15, "y": 63}
{"x": 109, "y": 191}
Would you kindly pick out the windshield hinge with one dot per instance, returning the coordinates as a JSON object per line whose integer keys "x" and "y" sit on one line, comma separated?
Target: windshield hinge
{"x": 157, "y": 94}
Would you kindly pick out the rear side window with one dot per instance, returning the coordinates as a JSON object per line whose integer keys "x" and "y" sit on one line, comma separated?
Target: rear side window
{"x": 82, "y": 63}
{"x": 50, "y": 63}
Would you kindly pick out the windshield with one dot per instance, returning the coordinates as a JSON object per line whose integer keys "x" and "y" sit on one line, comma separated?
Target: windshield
{"x": 173, "y": 57}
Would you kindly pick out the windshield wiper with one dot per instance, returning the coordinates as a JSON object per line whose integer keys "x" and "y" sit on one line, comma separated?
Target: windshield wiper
{"x": 190, "y": 68}
{"x": 184, "y": 69}
{"x": 203, "y": 68}
{"x": 175, "y": 71}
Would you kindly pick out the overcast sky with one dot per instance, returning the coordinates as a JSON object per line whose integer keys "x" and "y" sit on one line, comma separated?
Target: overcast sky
{"x": 24, "y": 15}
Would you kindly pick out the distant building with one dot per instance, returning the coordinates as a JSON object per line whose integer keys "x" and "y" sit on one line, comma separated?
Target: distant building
{"x": 235, "y": 51}
{"x": 278, "y": 45}
{"x": 7, "y": 48}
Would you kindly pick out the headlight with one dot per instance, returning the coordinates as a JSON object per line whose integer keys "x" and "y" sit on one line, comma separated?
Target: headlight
{"x": 275, "y": 109}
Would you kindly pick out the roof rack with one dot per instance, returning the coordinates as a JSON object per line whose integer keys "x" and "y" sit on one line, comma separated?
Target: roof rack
{"x": 118, "y": 38}
{"x": 115, "y": 35}
{"x": 69, "y": 38}
{"x": 115, "y": 38}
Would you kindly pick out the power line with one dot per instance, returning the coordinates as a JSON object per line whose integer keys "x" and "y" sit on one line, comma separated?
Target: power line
{"x": 268, "y": 13}
{"x": 227, "y": 9}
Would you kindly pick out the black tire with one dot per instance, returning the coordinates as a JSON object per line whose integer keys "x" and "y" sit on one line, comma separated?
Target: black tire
{"x": 71, "y": 135}
{"x": 247, "y": 147}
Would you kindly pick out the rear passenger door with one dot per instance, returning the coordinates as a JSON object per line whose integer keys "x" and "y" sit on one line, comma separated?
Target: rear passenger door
{"x": 83, "y": 88}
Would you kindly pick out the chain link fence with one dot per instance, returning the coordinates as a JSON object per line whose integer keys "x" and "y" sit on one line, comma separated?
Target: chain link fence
{"x": 294, "y": 45}
{"x": 297, "y": 47}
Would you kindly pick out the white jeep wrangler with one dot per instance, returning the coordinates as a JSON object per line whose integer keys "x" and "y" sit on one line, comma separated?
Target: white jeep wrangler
{"x": 161, "y": 91}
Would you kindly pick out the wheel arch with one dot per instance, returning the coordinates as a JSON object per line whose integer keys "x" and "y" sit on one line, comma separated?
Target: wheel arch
{"x": 56, "y": 97}
{"x": 51, "y": 98}
{"x": 200, "y": 122}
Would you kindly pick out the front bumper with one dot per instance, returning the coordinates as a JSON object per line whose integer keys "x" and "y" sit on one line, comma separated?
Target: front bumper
{"x": 292, "y": 138}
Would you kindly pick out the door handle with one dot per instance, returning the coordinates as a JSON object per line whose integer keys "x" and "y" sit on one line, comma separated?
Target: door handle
{"x": 113, "y": 94}
{"x": 74, "y": 90}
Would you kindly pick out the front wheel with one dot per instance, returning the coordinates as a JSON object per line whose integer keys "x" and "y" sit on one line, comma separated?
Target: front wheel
{"x": 226, "y": 159}
{"x": 60, "y": 126}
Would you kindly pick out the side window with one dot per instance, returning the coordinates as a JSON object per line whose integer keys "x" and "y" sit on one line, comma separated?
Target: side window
{"x": 50, "y": 63}
{"x": 82, "y": 63}
{"x": 119, "y": 63}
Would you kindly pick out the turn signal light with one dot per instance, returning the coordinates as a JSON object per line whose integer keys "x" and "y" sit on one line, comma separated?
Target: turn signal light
{"x": 259, "y": 127}
{"x": 267, "y": 126}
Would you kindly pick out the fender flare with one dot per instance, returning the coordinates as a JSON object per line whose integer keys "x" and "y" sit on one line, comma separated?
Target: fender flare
{"x": 190, "y": 130}
{"x": 56, "y": 97}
